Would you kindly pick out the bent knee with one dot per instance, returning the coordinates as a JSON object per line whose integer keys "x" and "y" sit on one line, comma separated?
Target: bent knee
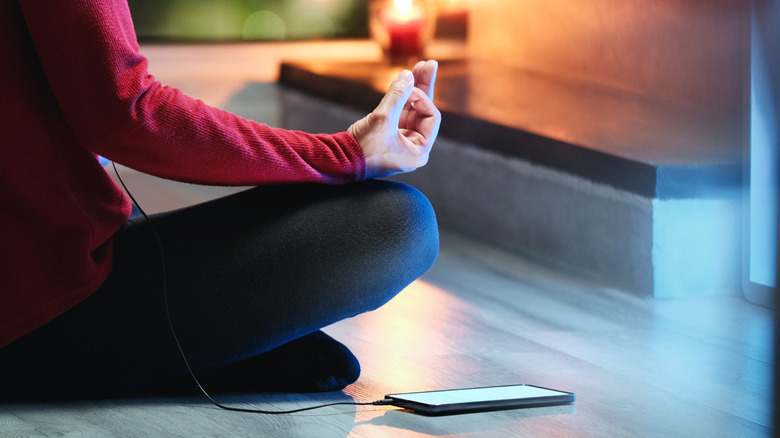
{"x": 408, "y": 225}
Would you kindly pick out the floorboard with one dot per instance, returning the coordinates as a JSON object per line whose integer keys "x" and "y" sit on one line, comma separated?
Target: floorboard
{"x": 640, "y": 368}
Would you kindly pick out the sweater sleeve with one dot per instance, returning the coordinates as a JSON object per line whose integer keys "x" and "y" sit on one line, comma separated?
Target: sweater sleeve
{"x": 115, "y": 108}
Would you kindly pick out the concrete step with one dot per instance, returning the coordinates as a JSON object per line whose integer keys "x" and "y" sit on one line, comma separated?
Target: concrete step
{"x": 666, "y": 226}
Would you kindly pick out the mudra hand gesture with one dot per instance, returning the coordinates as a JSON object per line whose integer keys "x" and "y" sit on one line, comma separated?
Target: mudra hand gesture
{"x": 398, "y": 135}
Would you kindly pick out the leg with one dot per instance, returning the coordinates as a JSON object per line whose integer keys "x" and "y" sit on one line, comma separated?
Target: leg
{"x": 245, "y": 274}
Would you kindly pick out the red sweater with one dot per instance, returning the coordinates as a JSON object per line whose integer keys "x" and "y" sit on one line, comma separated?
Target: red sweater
{"x": 72, "y": 85}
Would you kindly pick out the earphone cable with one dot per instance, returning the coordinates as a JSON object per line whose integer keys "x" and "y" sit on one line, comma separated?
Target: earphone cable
{"x": 176, "y": 337}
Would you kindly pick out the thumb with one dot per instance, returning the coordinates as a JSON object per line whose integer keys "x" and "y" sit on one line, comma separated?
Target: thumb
{"x": 397, "y": 94}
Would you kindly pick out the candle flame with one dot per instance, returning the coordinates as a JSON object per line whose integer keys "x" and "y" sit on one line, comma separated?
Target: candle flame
{"x": 404, "y": 7}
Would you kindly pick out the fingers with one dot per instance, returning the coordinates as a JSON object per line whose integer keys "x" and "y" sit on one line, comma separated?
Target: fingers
{"x": 418, "y": 105}
{"x": 422, "y": 76}
{"x": 425, "y": 76}
{"x": 410, "y": 108}
{"x": 422, "y": 104}
{"x": 420, "y": 127}
{"x": 397, "y": 95}
{"x": 398, "y": 135}
{"x": 427, "y": 117}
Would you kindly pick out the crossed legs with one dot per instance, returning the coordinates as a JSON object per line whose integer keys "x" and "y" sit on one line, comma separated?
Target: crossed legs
{"x": 250, "y": 279}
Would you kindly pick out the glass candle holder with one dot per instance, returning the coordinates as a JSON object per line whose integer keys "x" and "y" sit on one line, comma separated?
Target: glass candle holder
{"x": 403, "y": 28}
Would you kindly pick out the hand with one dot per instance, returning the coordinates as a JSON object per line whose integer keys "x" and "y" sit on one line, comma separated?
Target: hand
{"x": 398, "y": 135}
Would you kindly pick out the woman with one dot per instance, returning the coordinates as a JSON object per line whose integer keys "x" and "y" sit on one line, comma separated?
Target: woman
{"x": 248, "y": 279}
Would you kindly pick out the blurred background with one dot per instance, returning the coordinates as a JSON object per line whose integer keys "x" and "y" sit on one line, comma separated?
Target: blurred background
{"x": 230, "y": 20}
{"x": 268, "y": 20}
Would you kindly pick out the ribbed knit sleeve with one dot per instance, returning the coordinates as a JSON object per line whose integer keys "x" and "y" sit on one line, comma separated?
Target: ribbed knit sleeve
{"x": 115, "y": 108}
{"x": 73, "y": 84}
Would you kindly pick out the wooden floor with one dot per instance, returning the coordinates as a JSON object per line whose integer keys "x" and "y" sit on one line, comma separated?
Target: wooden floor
{"x": 640, "y": 368}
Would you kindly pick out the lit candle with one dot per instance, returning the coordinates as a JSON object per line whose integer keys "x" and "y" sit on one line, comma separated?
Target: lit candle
{"x": 405, "y": 23}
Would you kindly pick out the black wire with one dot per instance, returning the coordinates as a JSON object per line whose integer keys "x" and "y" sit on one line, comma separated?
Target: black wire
{"x": 176, "y": 337}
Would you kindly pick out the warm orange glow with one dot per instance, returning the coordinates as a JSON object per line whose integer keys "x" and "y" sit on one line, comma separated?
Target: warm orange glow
{"x": 423, "y": 323}
{"x": 404, "y": 11}
{"x": 453, "y": 5}
{"x": 382, "y": 81}
{"x": 402, "y": 28}
{"x": 404, "y": 8}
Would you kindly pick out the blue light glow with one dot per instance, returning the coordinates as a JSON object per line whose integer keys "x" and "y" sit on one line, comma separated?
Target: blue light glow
{"x": 763, "y": 174}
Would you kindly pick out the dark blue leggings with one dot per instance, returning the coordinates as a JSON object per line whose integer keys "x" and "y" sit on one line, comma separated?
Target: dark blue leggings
{"x": 245, "y": 274}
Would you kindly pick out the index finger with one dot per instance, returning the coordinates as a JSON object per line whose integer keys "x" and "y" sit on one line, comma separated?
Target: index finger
{"x": 425, "y": 76}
